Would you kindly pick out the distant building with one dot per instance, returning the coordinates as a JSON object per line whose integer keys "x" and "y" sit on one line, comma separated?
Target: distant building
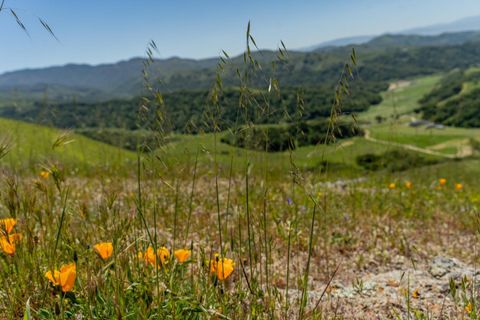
{"x": 419, "y": 123}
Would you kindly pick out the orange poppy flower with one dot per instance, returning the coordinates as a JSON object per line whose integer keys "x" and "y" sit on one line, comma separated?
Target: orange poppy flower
{"x": 458, "y": 186}
{"x": 408, "y": 184}
{"x": 442, "y": 181}
{"x": 391, "y": 186}
{"x": 222, "y": 268}
{"x": 64, "y": 278}
{"x": 8, "y": 243}
{"x": 104, "y": 249}
{"x": 8, "y": 224}
{"x": 150, "y": 257}
{"x": 182, "y": 255}
{"x": 142, "y": 256}
{"x": 164, "y": 255}
{"x": 213, "y": 263}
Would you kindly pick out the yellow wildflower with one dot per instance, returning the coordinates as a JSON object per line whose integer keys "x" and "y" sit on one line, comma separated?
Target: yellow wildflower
{"x": 469, "y": 308}
{"x": 44, "y": 174}
{"x": 416, "y": 293}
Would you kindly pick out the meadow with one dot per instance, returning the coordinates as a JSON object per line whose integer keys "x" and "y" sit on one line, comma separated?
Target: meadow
{"x": 198, "y": 229}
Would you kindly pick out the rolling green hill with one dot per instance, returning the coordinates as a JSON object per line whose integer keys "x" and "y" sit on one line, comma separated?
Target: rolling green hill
{"x": 31, "y": 145}
{"x": 455, "y": 100}
{"x": 393, "y": 133}
{"x": 389, "y": 122}
{"x": 31, "y": 150}
{"x": 401, "y": 98}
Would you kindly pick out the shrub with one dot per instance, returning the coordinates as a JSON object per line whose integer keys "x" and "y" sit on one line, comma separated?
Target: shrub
{"x": 126, "y": 139}
{"x": 395, "y": 160}
{"x": 281, "y": 138}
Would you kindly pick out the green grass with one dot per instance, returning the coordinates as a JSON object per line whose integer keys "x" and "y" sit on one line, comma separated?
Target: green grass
{"x": 341, "y": 154}
{"x": 31, "y": 145}
{"x": 418, "y": 140}
{"x": 402, "y": 133}
{"x": 397, "y": 110}
{"x": 449, "y": 150}
{"x": 402, "y": 100}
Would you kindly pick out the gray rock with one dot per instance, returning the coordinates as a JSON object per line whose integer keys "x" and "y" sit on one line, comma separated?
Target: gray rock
{"x": 437, "y": 272}
{"x": 441, "y": 266}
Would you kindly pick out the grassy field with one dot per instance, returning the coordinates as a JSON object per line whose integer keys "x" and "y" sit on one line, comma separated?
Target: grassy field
{"x": 402, "y": 100}
{"x": 341, "y": 155}
{"x": 31, "y": 146}
{"x": 203, "y": 230}
{"x": 397, "y": 110}
{"x": 446, "y": 140}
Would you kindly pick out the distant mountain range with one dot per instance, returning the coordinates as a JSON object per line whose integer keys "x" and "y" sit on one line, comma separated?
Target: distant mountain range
{"x": 465, "y": 24}
{"x": 340, "y": 42}
{"x": 105, "y": 80}
{"x": 123, "y": 79}
{"x": 444, "y": 39}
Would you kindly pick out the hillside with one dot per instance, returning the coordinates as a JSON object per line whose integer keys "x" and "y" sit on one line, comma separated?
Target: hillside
{"x": 444, "y": 39}
{"x": 186, "y": 111}
{"x": 390, "y": 56}
{"x": 455, "y": 100}
{"x": 106, "y": 77}
{"x": 393, "y": 136}
{"x": 32, "y": 143}
{"x": 31, "y": 146}
{"x": 185, "y": 84}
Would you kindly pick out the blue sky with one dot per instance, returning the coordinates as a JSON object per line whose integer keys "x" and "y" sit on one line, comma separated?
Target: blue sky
{"x": 99, "y": 31}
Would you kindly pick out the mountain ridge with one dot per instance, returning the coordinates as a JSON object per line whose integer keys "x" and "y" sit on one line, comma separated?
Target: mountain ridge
{"x": 471, "y": 23}
{"x": 124, "y": 79}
